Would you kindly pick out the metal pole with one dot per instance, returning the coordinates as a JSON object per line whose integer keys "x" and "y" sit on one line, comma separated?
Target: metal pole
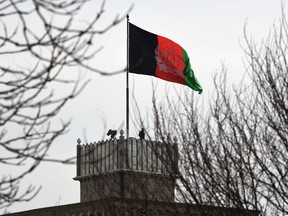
{"x": 127, "y": 82}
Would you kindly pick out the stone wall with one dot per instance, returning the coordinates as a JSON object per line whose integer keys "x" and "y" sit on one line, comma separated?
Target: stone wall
{"x": 127, "y": 184}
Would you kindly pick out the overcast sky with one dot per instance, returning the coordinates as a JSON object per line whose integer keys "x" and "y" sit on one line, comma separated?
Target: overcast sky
{"x": 212, "y": 33}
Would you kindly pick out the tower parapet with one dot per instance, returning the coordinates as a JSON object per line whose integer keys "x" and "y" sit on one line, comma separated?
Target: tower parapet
{"x": 128, "y": 168}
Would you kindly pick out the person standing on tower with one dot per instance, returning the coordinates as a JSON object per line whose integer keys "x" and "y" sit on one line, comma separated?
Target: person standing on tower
{"x": 142, "y": 134}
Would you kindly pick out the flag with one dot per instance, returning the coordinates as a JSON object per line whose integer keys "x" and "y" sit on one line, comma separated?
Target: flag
{"x": 154, "y": 55}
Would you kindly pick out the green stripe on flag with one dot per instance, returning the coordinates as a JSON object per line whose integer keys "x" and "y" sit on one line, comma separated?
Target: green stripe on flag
{"x": 190, "y": 78}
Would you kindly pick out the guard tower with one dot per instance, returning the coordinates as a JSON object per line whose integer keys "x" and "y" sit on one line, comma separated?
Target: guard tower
{"x": 127, "y": 168}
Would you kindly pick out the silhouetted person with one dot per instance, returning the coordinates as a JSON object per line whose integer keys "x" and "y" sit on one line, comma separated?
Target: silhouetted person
{"x": 142, "y": 134}
{"x": 111, "y": 133}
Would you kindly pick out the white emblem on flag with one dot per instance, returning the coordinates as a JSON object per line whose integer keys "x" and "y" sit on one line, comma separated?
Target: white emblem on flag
{"x": 168, "y": 60}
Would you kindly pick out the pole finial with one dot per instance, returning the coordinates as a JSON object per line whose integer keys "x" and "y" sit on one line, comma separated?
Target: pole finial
{"x": 127, "y": 16}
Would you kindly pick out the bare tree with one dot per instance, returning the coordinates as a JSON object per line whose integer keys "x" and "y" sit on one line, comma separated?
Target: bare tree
{"x": 235, "y": 153}
{"x": 38, "y": 40}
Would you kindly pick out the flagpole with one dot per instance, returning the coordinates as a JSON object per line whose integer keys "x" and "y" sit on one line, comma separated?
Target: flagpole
{"x": 127, "y": 82}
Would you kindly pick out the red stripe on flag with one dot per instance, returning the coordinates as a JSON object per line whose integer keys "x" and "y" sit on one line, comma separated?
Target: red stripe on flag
{"x": 170, "y": 63}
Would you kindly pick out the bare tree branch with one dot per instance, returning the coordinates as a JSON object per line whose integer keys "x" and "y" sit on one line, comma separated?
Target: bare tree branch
{"x": 38, "y": 40}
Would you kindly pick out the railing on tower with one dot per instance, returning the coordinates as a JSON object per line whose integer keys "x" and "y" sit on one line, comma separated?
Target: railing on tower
{"x": 127, "y": 154}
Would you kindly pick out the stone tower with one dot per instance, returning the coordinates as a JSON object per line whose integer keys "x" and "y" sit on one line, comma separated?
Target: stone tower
{"x": 127, "y": 168}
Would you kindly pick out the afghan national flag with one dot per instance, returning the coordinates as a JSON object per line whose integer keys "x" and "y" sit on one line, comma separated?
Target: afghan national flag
{"x": 158, "y": 56}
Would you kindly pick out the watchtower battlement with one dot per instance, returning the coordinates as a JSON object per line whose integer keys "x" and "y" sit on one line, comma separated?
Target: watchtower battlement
{"x": 128, "y": 168}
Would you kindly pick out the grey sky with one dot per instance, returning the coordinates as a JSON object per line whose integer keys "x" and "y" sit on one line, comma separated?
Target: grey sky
{"x": 210, "y": 31}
